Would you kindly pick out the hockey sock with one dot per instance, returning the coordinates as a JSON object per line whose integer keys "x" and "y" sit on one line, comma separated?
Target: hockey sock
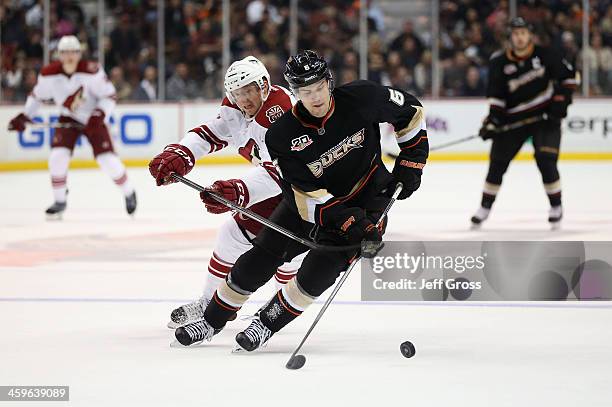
{"x": 553, "y": 190}
{"x": 217, "y": 273}
{"x": 282, "y": 277}
{"x": 288, "y": 304}
{"x": 489, "y": 193}
{"x": 114, "y": 168}
{"x": 58, "y": 168}
{"x": 546, "y": 159}
{"x": 226, "y": 301}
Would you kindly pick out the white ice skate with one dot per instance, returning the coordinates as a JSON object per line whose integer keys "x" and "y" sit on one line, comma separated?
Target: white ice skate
{"x": 188, "y": 313}
{"x": 555, "y": 214}
{"x": 480, "y": 216}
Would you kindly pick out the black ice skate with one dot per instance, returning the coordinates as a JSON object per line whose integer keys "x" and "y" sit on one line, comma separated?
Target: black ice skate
{"x": 480, "y": 216}
{"x": 252, "y": 338}
{"x": 56, "y": 210}
{"x": 194, "y": 333}
{"x": 130, "y": 203}
{"x": 554, "y": 217}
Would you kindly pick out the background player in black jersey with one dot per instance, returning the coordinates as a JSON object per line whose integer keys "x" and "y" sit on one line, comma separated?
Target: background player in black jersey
{"x": 335, "y": 187}
{"x": 526, "y": 82}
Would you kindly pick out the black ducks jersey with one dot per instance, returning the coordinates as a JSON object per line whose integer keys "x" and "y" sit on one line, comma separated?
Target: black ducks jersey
{"x": 335, "y": 161}
{"x": 519, "y": 88}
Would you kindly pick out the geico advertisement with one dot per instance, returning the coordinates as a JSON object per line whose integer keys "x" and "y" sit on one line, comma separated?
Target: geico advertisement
{"x": 139, "y": 131}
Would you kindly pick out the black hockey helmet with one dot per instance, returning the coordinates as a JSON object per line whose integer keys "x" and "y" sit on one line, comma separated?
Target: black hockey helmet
{"x": 306, "y": 68}
{"x": 518, "y": 22}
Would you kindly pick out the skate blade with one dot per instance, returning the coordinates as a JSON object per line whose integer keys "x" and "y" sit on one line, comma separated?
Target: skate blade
{"x": 238, "y": 349}
{"x": 476, "y": 226}
{"x": 555, "y": 225}
{"x": 55, "y": 217}
{"x": 177, "y": 344}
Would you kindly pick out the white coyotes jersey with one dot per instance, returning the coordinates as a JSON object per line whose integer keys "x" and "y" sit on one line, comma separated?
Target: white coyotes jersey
{"x": 77, "y": 95}
{"x": 232, "y": 128}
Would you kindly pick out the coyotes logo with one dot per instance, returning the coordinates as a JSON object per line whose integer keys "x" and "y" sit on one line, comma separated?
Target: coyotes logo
{"x": 337, "y": 153}
{"x": 274, "y": 113}
{"x": 73, "y": 101}
{"x": 250, "y": 151}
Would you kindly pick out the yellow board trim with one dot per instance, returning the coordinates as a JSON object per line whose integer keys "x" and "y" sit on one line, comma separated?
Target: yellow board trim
{"x": 129, "y": 162}
{"x": 576, "y": 156}
{"x": 220, "y": 160}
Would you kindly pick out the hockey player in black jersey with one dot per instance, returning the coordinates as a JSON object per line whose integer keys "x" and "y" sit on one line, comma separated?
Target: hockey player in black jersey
{"x": 527, "y": 83}
{"x": 335, "y": 186}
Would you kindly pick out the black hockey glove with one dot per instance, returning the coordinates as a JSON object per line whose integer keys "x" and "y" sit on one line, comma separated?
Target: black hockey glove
{"x": 408, "y": 172}
{"x": 557, "y": 109}
{"x": 489, "y": 128}
{"x": 409, "y": 165}
{"x": 356, "y": 226}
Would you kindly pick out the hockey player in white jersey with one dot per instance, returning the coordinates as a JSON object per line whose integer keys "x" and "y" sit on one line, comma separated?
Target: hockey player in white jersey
{"x": 251, "y": 105}
{"x": 86, "y": 98}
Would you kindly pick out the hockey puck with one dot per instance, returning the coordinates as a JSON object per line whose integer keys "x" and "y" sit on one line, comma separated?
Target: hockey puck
{"x": 296, "y": 362}
{"x": 407, "y": 349}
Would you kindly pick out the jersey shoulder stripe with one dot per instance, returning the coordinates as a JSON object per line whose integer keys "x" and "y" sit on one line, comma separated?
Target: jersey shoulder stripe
{"x": 285, "y": 90}
{"x": 89, "y": 67}
{"x": 277, "y": 103}
{"x": 497, "y": 54}
{"x": 54, "y": 68}
{"x": 227, "y": 103}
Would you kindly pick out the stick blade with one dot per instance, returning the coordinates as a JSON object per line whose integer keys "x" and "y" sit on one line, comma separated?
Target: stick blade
{"x": 296, "y": 362}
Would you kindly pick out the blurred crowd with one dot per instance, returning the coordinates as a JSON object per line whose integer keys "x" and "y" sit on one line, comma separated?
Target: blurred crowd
{"x": 399, "y": 55}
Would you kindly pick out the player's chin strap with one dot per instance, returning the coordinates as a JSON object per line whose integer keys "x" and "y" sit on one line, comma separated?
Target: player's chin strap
{"x": 266, "y": 222}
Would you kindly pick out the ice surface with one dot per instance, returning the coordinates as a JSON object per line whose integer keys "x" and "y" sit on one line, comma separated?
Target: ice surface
{"x": 84, "y": 302}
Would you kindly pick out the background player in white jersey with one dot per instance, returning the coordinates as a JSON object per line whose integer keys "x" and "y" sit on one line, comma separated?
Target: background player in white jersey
{"x": 86, "y": 98}
{"x": 251, "y": 105}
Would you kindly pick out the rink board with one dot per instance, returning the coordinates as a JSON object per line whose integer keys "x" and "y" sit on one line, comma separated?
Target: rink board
{"x": 140, "y": 131}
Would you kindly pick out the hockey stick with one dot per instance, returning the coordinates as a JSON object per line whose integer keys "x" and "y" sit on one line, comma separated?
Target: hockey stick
{"x": 297, "y": 361}
{"x": 507, "y": 127}
{"x": 266, "y": 222}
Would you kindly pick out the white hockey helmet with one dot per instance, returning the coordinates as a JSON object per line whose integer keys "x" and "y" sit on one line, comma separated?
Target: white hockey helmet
{"x": 68, "y": 43}
{"x": 244, "y": 72}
